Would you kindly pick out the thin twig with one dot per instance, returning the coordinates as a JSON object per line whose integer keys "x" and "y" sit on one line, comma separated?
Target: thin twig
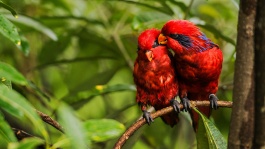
{"x": 47, "y": 119}
{"x": 188, "y": 10}
{"x": 126, "y": 135}
{"x": 20, "y": 134}
{"x": 117, "y": 39}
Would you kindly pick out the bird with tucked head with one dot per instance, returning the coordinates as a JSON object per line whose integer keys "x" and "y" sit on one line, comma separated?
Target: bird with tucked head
{"x": 198, "y": 63}
{"x": 155, "y": 77}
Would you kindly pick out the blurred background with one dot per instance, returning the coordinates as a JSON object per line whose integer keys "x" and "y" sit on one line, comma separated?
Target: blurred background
{"x": 82, "y": 53}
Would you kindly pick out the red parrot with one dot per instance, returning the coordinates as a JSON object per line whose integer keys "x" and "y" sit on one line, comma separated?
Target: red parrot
{"x": 198, "y": 64}
{"x": 155, "y": 77}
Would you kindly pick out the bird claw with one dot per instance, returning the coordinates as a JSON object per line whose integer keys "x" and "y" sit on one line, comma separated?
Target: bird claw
{"x": 147, "y": 117}
{"x": 213, "y": 101}
{"x": 175, "y": 105}
{"x": 186, "y": 104}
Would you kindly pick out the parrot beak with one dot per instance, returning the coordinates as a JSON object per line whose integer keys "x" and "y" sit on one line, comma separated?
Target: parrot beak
{"x": 162, "y": 39}
{"x": 149, "y": 55}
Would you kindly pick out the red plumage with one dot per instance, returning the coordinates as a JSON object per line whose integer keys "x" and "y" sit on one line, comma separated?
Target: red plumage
{"x": 154, "y": 76}
{"x": 198, "y": 63}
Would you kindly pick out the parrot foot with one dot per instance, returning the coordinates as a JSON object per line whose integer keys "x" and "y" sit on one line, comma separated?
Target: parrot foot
{"x": 147, "y": 117}
{"x": 186, "y": 104}
{"x": 175, "y": 104}
{"x": 213, "y": 101}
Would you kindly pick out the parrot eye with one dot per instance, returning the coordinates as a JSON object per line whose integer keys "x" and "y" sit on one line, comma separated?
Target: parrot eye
{"x": 138, "y": 48}
{"x": 155, "y": 44}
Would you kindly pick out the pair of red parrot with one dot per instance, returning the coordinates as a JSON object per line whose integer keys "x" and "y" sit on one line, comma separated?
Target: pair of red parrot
{"x": 191, "y": 71}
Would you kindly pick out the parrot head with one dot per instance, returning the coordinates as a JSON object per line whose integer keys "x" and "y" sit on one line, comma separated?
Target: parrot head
{"x": 148, "y": 44}
{"x": 183, "y": 36}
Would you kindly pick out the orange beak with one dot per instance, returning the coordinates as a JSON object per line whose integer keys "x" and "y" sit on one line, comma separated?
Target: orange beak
{"x": 162, "y": 39}
{"x": 149, "y": 55}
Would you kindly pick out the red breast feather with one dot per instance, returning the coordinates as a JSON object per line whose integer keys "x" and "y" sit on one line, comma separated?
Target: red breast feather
{"x": 156, "y": 79}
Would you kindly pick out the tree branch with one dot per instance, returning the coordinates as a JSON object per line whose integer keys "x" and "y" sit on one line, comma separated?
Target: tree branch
{"x": 20, "y": 134}
{"x": 47, "y": 119}
{"x": 126, "y": 135}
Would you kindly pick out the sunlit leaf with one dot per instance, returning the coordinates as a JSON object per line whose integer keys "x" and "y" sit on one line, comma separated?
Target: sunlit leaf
{"x": 9, "y": 30}
{"x": 103, "y": 129}
{"x": 7, "y": 7}
{"x": 16, "y": 104}
{"x": 7, "y": 72}
{"x": 208, "y": 130}
{"x": 73, "y": 128}
{"x": 30, "y": 22}
{"x": 6, "y": 131}
{"x": 29, "y": 143}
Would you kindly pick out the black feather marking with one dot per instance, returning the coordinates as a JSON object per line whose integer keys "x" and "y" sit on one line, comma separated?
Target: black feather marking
{"x": 184, "y": 40}
{"x": 155, "y": 44}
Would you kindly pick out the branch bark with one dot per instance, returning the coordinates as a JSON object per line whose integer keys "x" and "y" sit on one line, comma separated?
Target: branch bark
{"x": 126, "y": 135}
{"x": 20, "y": 134}
{"x": 47, "y": 119}
{"x": 259, "y": 134}
{"x": 242, "y": 121}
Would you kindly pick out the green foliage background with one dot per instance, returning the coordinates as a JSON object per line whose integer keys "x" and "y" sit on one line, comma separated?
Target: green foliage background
{"x": 79, "y": 55}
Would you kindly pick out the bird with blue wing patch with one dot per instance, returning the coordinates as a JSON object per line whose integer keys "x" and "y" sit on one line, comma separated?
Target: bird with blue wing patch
{"x": 198, "y": 63}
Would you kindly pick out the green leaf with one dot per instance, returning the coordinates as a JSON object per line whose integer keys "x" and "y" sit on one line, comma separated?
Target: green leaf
{"x": 6, "y": 131}
{"x": 86, "y": 90}
{"x": 181, "y": 5}
{"x": 72, "y": 126}
{"x": 69, "y": 61}
{"x": 100, "y": 90}
{"x": 45, "y": 55}
{"x": 201, "y": 136}
{"x": 29, "y": 143}
{"x": 27, "y": 21}
{"x": 207, "y": 130}
{"x": 7, "y": 72}
{"x": 103, "y": 129}
{"x": 17, "y": 105}
{"x": 24, "y": 47}
{"x": 10, "y": 109}
{"x": 7, "y": 7}
{"x": 8, "y": 83}
{"x": 136, "y": 24}
{"x": 99, "y": 78}
{"x": 103, "y": 89}
{"x": 9, "y": 30}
